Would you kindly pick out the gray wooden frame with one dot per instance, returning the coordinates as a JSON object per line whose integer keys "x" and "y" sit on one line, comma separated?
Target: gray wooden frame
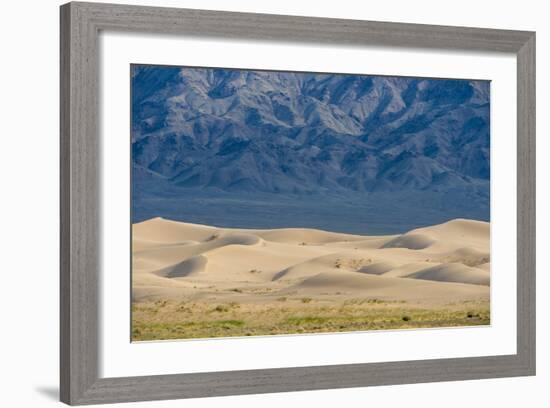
{"x": 80, "y": 234}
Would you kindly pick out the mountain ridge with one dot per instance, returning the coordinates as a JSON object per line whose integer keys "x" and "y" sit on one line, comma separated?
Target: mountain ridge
{"x": 291, "y": 132}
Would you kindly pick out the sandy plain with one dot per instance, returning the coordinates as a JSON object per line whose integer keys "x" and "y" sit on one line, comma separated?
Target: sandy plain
{"x": 198, "y": 281}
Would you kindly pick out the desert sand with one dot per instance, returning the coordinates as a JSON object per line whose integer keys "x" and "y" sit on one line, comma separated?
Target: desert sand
{"x": 187, "y": 274}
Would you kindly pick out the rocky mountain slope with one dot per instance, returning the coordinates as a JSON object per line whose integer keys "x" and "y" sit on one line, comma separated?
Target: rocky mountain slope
{"x": 294, "y": 132}
{"x": 269, "y": 132}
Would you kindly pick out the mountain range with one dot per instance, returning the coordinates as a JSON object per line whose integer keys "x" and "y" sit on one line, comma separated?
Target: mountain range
{"x": 266, "y": 132}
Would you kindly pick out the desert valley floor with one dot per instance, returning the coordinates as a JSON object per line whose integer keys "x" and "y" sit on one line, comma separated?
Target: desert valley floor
{"x": 198, "y": 281}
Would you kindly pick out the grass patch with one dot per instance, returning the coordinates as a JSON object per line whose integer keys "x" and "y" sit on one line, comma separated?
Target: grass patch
{"x": 300, "y": 321}
{"x": 198, "y": 319}
{"x": 228, "y": 323}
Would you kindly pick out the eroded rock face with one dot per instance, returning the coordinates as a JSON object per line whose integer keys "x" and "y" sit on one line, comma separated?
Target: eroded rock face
{"x": 259, "y": 132}
{"x": 278, "y": 132}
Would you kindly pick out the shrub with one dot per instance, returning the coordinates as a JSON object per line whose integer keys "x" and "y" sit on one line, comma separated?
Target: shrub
{"x": 304, "y": 320}
{"x": 228, "y": 323}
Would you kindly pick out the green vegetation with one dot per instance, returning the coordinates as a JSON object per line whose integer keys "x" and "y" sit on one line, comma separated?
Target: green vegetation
{"x": 181, "y": 320}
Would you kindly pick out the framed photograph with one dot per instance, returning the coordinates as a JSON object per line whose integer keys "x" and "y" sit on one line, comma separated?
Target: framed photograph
{"x": 291, "y": 203}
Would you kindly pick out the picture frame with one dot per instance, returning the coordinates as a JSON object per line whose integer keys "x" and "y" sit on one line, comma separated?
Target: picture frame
{"x": 80, "y": 236}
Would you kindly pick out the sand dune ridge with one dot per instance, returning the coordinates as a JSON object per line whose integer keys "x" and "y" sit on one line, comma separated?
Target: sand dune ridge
{"x": 176, "y": 260}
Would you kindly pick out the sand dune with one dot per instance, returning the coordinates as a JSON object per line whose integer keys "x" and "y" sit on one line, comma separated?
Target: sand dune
{"x": 161, "y": 230}
{"x": 441, "y": 263}
{"x": 453, "y": 272}
{"x": 410, "y": 241}
{"x": 379, "y": 268}
{"x": 191, "y": 266}
{"x": 304, "y": 236}
{"x": 467, "y": 256}
{"x": 405, "y": 270}
{"x": 380, "y": 287}
{"x": 346, "y": 260}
